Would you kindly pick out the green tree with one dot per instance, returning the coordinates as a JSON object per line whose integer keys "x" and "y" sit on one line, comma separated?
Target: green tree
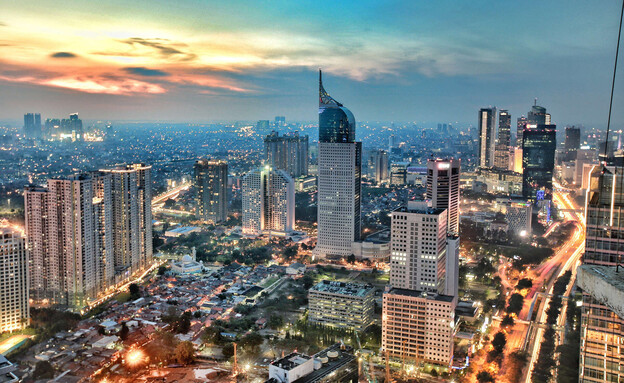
{"x": 351, "y": 259}
{"x": 185, "y": 353}
{"x": 499, "y": 342}
{"x": 162, "y": 270}
{"x": 508, "y": 321}
{"x": 485, "y": 377}
{"x": 43, "y": 370}
{"x": 124, "y": 331}
{"x": 524, "y": 283}
{"x": 135, "y": 291}
{"x": 228, "y": 350}
{"x": 251, "y": 341}
{"x": 275, "y": 321}
{"x": 516, "y": 301}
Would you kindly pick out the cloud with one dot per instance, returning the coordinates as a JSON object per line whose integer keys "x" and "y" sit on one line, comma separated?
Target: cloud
{"x": 63, "y": 55}
{"x": 2, "y": 24}
{"x": 166, "y": 48}
{"x": 141, "y": 71}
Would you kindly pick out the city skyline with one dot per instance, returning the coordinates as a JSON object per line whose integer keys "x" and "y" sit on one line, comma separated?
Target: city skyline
{"x": 236, "y": 62}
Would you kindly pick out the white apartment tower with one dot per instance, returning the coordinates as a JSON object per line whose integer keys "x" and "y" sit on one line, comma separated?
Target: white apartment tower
{"x": 14, "y": 306}
{"x": 268, "y": 202}
{"x": 418, "y": 248}
{"x": 339, "y": 179}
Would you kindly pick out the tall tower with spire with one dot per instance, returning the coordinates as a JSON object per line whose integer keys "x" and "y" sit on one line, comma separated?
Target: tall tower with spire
{"x": 339, "y": 179}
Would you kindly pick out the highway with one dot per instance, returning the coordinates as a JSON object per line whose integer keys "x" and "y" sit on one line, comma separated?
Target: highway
{"x": 567, "y": 258}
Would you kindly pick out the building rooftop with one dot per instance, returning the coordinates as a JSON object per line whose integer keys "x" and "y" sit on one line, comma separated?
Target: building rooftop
{"x": 291, "y": 361}
{"x": 421, "y": 294}
{"x": 420, "y": 207}
{"x": 336, "y": 356}
{"x": 604, "y": 284}
{"x": 343, "y": 288}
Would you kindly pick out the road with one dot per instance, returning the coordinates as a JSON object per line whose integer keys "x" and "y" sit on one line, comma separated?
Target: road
{"x": 567, "y": 259}
{"x": 170, "y": 194}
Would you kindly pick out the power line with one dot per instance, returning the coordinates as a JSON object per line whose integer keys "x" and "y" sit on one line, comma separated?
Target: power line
{"x": 617, "y": 51}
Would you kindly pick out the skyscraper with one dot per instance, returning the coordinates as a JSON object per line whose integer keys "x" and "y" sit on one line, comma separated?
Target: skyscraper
{"x": 288, "y": 152}
{"x": 417, "y": 319}
{"x": 61, "y": 230}
{"x": 572, "y": 142}
{"x": 32, "y": 125}
{"x": 418, "y": 247}
{"x": 378, "y": 166}
{"x": 14, "y": 306}
{"x": 503, "y": 144}
{"x": 398, "y": 173}
{"x": 268, "y": 202}
{"x": 522, "y": 123}
{"x": 538, "y": 116}
{"x": 601, "y": 354}
{"x": 487, "y": 137}
{"x": 339, "y": 178}
{"x": 132, "y": 217}
{"x": 443, "y": 189}
{"x": 211, "y": 178}
{"x": 538, "y": 161}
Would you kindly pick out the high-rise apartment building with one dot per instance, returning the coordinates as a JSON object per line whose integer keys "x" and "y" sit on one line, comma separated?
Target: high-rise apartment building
{"x": 132, "y": 216}
{"x": 538, "y": 161}
{"x": 503, "y": 144}
{"x": 32, "y": 125}
{"x": 85, "y": 232}
{"x": 268, "y": 202}
{"x": 211, "y": 178}
{"x": 288, "y": 152}
{"x": 487, "y": 137}
{"x": 398, "y": 173}
{"x": 14, "y": 306}
{"x": 378, "y": 166}
{"x": 601, "y": 353}
{"x": 572, "y": 143}
{"x": 339, "y": 179}
{"x": 443, "y": 189}
{"x": 418, "y": 247}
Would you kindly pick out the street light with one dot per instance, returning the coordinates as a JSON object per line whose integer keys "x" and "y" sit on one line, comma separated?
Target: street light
{"x": 135, "y": 357}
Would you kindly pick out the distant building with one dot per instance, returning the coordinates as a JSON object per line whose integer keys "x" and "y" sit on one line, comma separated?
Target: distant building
{"x": 288, "y": 152}
{"x": 378, "y": 166}
{"x": 32, "y": 125}
{"x": 182, "y": 231}
{"x": 503, "y": 143}
{"x": 268, "y": 202}
{"x": 305, "y": 183}
{"x": 538, "y": 116}
{"x": 211, "y": 178}
{"x": 538, "y": 161}
{"x": 498, "y": 181}
{"x": 398, "y": 173}
{"x": 418, "y": 326}
{"x": 443, "y": 189}
{"x": 263, "y": 125}
{"x": 487, "y": 137}
{"x": 572, "y": 142}
{"x": 518, "y": 215}
{"x": 339, "y": 179}
{"x": 14, "y": 305}
{"x": 335, "y": 364}
{"x": 521, "y": 124}
{"x": 187, "y": 265}
{"x": 341, "y": 305}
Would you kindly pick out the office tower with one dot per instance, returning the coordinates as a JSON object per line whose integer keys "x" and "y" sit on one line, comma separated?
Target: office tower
{"x": 443, "y": 189}
{"x": 522, "y": 123}
{"x": 60, "y": 229}
{"x": 132, "y": 217}
{"x": 32, "y": 125}
{"x": 602, "y": 329}
{"x": 268, "y": 202}
{"x": 398, "y": 173}
{"x": 343, "y": 305}
{"x": 339, "y": 178}
{"x": 280, "y": 121}
{"x": 378, "y": 166}
{"x": 392, "y": 142}
{"x": 52, "y": 127}
{"x": 538, "y": 116}
{"x": 262, "y": 125}
{"x": 572, "y": 143}
{"x": 538, "y": 161}
{"x": 211, "y": 177}
{"x": 452, "y": 266}
{"x": 14, "y": 306}
{"x": 288, "y": 152}
{"x": 487, "y": 137}
{"x": 418, "y": 247}
{"x": 503, "y": 144}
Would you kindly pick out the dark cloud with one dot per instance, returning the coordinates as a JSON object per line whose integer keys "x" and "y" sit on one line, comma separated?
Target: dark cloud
{"x": 141, "y": 71}
{"x": 165, "y": 47}
{"x": 3, "y": 24}
{"x": 63, "y": 55}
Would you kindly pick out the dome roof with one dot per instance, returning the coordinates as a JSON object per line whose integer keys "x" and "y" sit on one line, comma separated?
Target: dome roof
{"x": 187, "y": 259}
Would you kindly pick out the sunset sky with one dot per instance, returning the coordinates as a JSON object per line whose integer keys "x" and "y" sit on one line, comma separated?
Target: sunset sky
{"x": 204, "y": 61}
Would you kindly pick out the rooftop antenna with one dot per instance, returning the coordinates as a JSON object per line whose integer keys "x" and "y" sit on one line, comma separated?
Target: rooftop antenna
{"x": 535, "y": 101}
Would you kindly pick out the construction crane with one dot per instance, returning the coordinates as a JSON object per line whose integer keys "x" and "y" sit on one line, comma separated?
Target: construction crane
{"x": 388, "y": 376}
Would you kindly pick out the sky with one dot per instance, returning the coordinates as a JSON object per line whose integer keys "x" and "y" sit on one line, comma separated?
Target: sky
{"x": 204, "y": 61}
